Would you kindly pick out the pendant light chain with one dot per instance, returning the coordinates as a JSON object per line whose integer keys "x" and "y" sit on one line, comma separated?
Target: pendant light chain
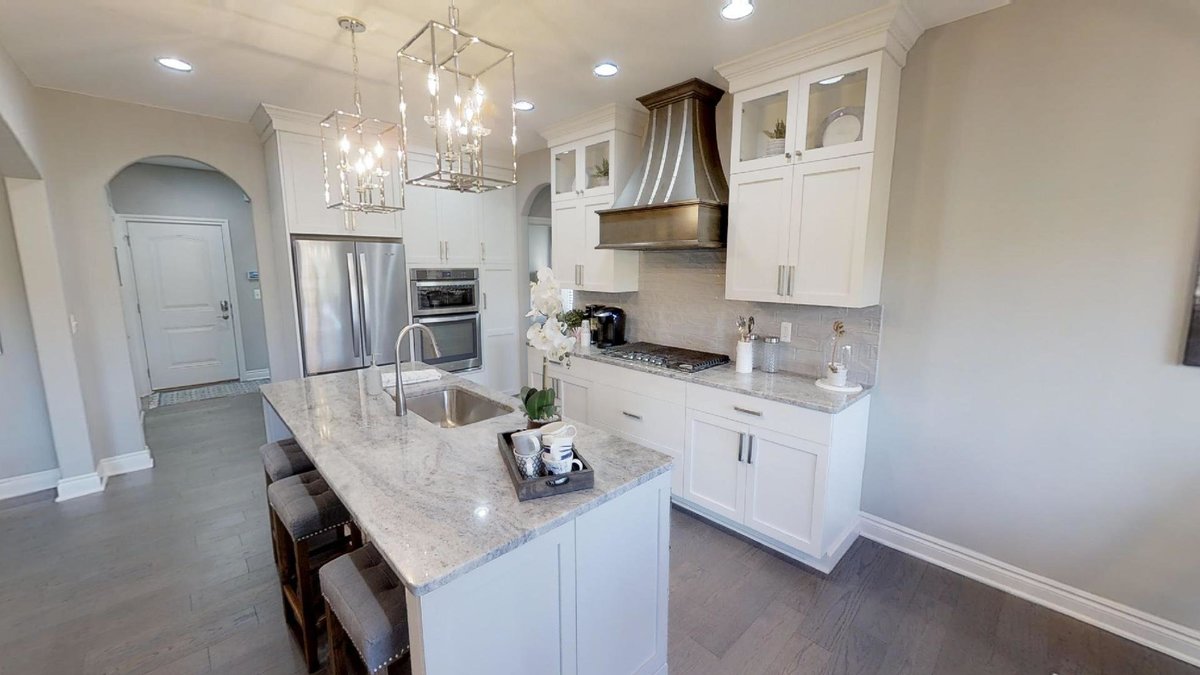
{"x": 354, "y": 60}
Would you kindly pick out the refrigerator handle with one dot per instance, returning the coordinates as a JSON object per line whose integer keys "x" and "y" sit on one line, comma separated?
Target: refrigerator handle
{"x": 366, "y": 309}
{"x": 354, "y": 306}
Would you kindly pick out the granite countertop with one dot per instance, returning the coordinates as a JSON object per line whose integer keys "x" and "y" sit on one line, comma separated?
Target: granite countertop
{"x": 784, "y": 387}
{"x": 438, "y": 502}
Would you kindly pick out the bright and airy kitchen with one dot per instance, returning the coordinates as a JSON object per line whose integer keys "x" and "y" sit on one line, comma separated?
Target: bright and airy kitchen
{"x": 701, "y": 337}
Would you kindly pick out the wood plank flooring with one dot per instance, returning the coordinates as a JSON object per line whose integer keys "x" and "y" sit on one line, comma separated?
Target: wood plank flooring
{"x": 170, "y": 571}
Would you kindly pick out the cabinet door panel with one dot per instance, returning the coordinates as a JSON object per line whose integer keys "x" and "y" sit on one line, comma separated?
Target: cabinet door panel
{"x": 759, "y": 222}
{"x": 713, "y": 473}
{"x": 304, "y": 184}
{"x": 831, "y": 201}
{"x": 784, "y": 489}
{"x": 422, "y": 244}
{"x": 458, "y": 224}
{"x": 837, "y": 109}
{"x": 499, "y": 236}
{"x": 757, "y": 113}
{"x": 566, "y": 241}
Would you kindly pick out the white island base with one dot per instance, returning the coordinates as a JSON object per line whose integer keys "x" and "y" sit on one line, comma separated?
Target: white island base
{"x": 587, "y": 598}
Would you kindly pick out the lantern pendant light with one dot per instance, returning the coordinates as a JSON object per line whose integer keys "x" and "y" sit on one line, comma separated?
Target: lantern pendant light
{"x": 460, "y": 90}
{"x": 363, "y": 165}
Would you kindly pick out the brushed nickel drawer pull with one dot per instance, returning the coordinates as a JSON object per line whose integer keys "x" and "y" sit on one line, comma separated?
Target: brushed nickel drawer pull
{"x": 756, "y": 413}
{"x": 632, "y": 416}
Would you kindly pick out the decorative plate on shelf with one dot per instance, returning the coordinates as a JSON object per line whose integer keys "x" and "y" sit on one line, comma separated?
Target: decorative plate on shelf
{"x": 844, "y": 125}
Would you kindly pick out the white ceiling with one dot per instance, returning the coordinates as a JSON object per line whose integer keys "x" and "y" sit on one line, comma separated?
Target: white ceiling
{"x": 291, "y": 53}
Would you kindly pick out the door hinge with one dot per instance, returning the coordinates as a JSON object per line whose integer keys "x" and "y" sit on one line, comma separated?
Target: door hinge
{"x": 139, "y": 308}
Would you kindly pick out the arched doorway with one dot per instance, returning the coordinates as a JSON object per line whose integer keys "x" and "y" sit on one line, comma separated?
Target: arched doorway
{"x": 188, "y": 272}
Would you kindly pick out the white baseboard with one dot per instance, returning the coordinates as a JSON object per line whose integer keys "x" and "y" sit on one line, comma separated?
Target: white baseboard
{"x": 260, "y": 374}
{"x": 1159, "y": 634}
{"x": 78, "y": 486}
{"x": 29, "y": 483}
{"x": 126, "y": 463}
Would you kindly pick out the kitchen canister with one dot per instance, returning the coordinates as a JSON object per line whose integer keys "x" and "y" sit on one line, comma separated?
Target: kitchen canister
{"x": 744, "y": 362}
{"x": 770, "y": 354}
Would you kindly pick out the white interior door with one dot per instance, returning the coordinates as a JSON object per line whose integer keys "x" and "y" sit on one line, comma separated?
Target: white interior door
{"x": 186, "y": 305}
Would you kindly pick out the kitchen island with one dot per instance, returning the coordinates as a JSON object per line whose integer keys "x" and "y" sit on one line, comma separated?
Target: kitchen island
{"x": 575, "y": 583}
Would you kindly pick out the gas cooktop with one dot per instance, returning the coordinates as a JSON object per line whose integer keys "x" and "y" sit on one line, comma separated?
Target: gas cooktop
{"x": 672, "y": 358}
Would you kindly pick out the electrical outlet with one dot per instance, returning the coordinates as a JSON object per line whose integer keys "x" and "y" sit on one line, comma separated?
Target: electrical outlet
{"x": 785, "y": 331}
{"x": 257, "y": 294}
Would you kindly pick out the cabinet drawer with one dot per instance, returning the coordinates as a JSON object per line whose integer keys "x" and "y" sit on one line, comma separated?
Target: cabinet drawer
{"x": 646, "y": 384}
{"x": 652, "y": 422}
{"x": 789, "y": 419}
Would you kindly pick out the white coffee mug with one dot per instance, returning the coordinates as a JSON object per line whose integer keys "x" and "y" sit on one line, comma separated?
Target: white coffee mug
{"x": 558, "y": 433}
{"x": 557, "y": 467}
{"x": 528, "y": 442}
{"x": 558, "y": 453}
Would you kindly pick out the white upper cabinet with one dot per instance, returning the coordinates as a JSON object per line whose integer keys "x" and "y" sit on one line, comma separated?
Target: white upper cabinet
{"x": 422, "y": 244}
{"x": 498, "y": 245}
{"x": 762, "y": 202}
{"x": 812, "y": 158}
{"x": 458, "y": 216}
{"x": 592, "y": 157}
{"x": 303, "y": 182}
{"x": 583, "y": 168}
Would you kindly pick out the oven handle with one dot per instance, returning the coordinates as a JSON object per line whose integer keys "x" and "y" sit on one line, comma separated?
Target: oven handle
{"x": 445, "y": 282}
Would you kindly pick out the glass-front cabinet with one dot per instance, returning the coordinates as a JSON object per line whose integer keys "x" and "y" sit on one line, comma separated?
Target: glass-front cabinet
{"x": 763, "y": 126}
{"x": 581, "y": 169}
{"x": 824, "y": 113}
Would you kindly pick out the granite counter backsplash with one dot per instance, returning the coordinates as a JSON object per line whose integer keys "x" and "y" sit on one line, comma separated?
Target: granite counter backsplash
{"x": 681, "y": 302}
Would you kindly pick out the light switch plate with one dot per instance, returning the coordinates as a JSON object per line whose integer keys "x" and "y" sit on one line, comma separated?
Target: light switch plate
{"x": 257, "y": 294}
{"x": 785, "y": 331}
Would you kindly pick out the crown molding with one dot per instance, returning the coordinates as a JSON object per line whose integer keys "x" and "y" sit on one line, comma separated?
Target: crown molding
{"x": 598, "y": 121}
{"x": 892, "y": 28}
{"x": 267, "y": 119}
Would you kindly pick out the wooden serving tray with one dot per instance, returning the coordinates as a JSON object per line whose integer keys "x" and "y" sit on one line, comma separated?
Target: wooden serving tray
{"x": 548, "y": 485}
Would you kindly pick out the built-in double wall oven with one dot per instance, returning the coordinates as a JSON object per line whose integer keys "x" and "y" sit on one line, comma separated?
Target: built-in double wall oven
{"x": 447, "y": 301}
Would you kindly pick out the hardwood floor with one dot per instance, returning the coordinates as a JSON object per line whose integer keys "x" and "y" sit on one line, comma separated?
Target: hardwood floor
{"x": 170, "y": 571}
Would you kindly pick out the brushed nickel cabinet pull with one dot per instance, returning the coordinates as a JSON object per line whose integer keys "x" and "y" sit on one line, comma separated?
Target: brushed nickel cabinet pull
{"x": 742, "y": 447}
{"x": 791, "y": 279}
{"x": 779, "y": 282}
{"x": 632, "y": 416}
{"x": 750, "y": 456}
{"x": 756, "y": 413}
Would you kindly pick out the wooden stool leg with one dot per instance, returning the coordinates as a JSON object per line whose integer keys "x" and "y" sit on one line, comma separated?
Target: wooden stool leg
{"x": 306, "y": 594}
{"x": 337, "y": 642}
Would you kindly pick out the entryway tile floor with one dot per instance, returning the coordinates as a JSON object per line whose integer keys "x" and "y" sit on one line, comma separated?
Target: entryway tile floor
{"x": 170, "y": 571}
{"x": 201, "y": 393}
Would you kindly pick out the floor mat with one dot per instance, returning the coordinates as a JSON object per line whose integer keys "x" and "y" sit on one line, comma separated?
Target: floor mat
{"x": 163, "y": 398}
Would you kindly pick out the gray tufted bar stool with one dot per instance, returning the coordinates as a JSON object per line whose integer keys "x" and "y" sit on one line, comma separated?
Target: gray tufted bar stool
{"x": 282, "y": 459}
{"x": 365, "y": 607}
{"x": 311, "y": 527}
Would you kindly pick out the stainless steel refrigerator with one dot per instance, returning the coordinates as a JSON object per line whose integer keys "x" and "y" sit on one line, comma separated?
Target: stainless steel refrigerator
{"x": 353, "y": 301}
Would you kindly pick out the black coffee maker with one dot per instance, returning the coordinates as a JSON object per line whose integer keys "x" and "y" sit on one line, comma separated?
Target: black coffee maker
{"x": 608, "y": 326}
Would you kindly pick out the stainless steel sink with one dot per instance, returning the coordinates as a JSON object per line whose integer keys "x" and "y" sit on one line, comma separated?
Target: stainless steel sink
{"x": 455, "y": 407}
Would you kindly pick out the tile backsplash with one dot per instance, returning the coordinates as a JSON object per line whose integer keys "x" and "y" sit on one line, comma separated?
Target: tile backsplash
{"x": 681, "y": 302}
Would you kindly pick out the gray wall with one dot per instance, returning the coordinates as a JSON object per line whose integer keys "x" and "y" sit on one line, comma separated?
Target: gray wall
{"x": 1042, "y": 235}
{"x": 681, "y": 302}
{"x": 149, "y": 189}
{"x": 27, "y": 445}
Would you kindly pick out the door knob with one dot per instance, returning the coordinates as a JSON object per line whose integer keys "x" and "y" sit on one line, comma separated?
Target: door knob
{"x": 225, "y": 309}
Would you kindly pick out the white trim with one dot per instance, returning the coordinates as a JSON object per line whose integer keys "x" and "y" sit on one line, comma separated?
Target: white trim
{"x": 78, "y": 486}
{"x": 28, "y": 483}
{"x": 121, "y": 229}
{"x": 1156, "y": 633}
{"x": 603, "y": 119}
{"x": 126, "y": 463}
{"x": 256, "y": 374}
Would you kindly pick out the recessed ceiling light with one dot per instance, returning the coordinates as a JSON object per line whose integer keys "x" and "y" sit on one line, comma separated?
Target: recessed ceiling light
{"x": 606, "y": 69}
{"x": 523, "y": 106}
{"x": 174, "y": 64}
{"x": 735, "y": 10}
{"x": 831, "y": 80}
